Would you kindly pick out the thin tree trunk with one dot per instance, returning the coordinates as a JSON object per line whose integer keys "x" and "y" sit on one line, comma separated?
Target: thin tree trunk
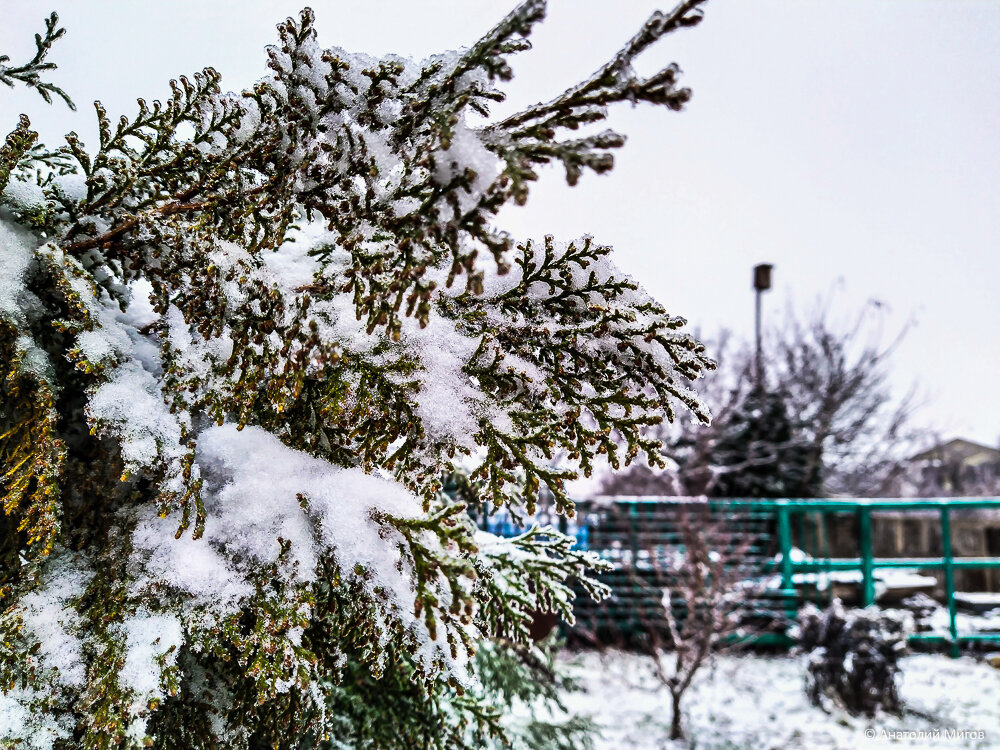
{"x": 676, "y": 732}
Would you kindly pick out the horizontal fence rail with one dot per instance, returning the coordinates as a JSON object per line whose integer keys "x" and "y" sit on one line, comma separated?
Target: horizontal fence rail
{"x": 791, "y": 551}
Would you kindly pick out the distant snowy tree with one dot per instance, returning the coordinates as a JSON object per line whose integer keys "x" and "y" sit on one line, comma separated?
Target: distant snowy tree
{"x": 823, "y": 421}
{"x": 245, "y": 338}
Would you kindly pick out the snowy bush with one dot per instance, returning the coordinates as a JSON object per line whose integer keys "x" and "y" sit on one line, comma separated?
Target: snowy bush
{"x": 243, "y": 340}
{"x": 923, "y": 608}
{"x": 854, "y": 656}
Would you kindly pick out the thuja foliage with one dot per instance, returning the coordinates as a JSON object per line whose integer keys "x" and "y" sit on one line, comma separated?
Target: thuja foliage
{"x": 526, "y": 680}
{"x": 244, "y": 339}
{"x": 534, "y": 683}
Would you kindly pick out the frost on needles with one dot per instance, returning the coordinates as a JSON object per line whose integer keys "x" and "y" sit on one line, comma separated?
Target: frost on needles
{"x": 245, "y": 337}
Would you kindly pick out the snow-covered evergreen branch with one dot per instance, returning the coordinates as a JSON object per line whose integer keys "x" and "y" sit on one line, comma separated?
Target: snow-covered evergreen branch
{"x": 237, "y": 366}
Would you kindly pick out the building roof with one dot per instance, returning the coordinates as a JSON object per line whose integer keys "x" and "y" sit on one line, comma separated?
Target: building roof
{"x": 961, "y": 451}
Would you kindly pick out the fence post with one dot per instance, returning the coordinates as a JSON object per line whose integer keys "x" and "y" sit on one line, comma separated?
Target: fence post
{"x": 867, "y": 563}
{"x": 785, "y": 541}
{"x": 949, "y": 579}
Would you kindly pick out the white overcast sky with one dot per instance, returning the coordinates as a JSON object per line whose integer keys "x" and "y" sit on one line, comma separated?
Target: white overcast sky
{"x": 855, "y": 144}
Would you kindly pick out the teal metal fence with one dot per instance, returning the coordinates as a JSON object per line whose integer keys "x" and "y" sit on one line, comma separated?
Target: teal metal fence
{"x": 866, "y": 562}
{"x": 799, "y": 549}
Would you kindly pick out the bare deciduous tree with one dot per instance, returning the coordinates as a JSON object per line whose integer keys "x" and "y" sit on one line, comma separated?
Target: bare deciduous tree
{"x": 837, "y": 384}
{"x": 824, "y": 420}
{"x": 706, "y": 584}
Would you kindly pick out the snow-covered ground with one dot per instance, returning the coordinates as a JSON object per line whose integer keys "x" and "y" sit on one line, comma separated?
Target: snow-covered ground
{"x": 750, "y": 702}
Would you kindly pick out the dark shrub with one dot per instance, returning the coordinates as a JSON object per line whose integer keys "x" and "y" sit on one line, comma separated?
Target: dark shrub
{"x": 854, "y": 657}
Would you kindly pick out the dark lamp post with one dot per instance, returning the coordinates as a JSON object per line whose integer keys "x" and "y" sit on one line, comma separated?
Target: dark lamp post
{"x": 761, "y": 283}
{"x": 762, "y": 276}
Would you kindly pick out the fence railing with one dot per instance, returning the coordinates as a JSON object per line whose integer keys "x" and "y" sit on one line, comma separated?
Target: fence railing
{"x": 867, "y": 563}
{"x": 804, "y": 548}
